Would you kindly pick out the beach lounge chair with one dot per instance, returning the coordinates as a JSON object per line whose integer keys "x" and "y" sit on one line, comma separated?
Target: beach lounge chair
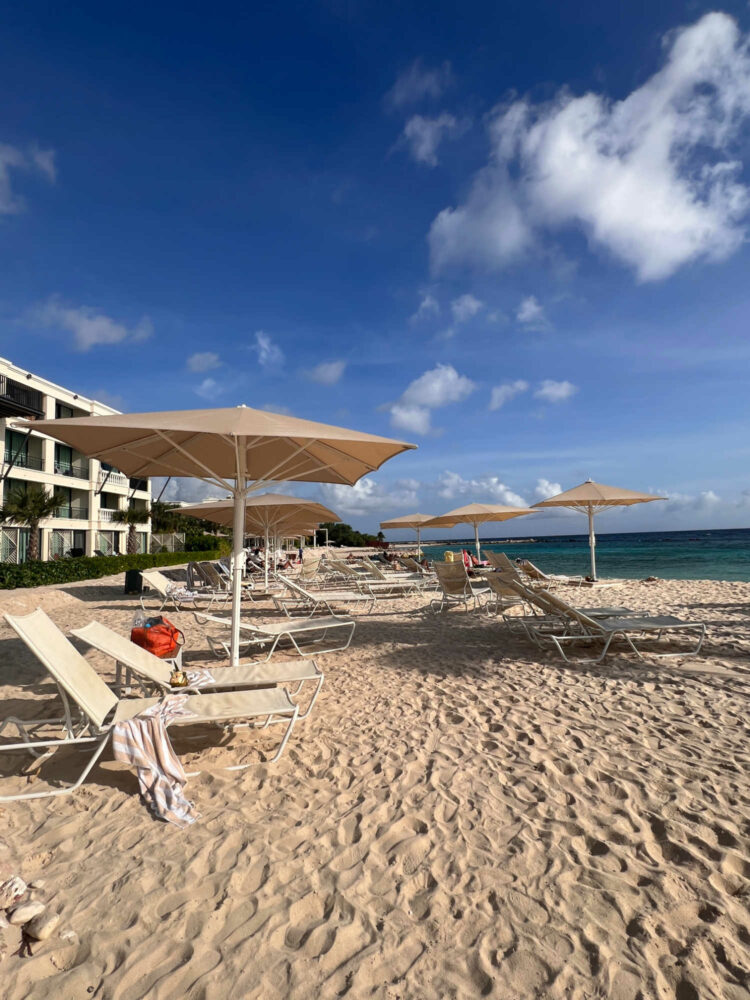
{"x": 413, "y": 566}
{"x": 154, "y": 673}
{"x": 270, "y": 634}
{"x": 177, "y": 594}
{"x": 383, "y": 575}
{"x": 544, "y": 614}
{"x": 537, "y": 576}
{"x": 457, "y": 588}
{"x": 310, "y": 602}
{"x": 91, "y": 709}
{"x": 580, "y": 626}
{"x": 502, "y": 595}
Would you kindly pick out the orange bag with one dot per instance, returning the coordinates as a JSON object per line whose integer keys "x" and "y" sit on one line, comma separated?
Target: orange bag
{"x": 159, "y": 636}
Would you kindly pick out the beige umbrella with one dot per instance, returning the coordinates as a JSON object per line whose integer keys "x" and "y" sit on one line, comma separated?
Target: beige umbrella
{"x": 265, "y": 514}
{"x": 590, "y": 498}
{"x": 236, "y": 449}
{"x": 477, "y": 514}
{"x": 408, "y": 521}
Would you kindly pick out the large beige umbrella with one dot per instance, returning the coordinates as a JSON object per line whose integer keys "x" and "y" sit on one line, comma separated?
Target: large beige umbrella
{"x": 477, "y": 514}
{"x": 591, "y": 498}
{"x": 408, "y": 521}
{"x": 236, "y": 449}
{"x": 265, "y": 514}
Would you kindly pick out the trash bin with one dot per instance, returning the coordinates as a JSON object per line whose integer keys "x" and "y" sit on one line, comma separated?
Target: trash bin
{"x": 133, "y": 581}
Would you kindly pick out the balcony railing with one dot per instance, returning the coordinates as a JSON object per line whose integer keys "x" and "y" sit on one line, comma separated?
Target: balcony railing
{"x": 112, "y": 478}
{"x": 78, "y": 470}
{"x": 73, "y": 511}
{"x": 22, "y": 461}
{"x": 17, "y": 399}
{"x": 107, "y": 514}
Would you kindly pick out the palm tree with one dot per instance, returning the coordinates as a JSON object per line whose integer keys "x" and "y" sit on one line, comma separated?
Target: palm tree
{"x": 30, "y": 506}
{"x": 133, "y": 516}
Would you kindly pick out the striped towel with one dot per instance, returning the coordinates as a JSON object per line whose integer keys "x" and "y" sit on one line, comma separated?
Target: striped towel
{"x": 180, "y": 593}
{"x": 199, "y": 677}
{"x": 143, "y": 743}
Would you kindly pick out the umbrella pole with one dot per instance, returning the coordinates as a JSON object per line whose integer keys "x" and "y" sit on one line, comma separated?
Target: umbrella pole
{"x": 592, "y": 542}
{"x": 238, "y": 540}
{"x": 419, "y": 547}
{"x": 266, "y": 559}
{"x": 476, "y": 539}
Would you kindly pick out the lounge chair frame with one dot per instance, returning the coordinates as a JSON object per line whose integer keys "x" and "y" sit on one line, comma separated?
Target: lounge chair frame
{"x": 99, "y": 709}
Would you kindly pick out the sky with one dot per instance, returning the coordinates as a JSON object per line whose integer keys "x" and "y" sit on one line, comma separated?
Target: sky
{"x": 514, "y": 234}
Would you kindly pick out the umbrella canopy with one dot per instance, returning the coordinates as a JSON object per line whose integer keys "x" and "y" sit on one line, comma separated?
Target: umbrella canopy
{"x": 476, "y": 514}
{"x": 408, "y": 521}
{"x": 238, "y": 449}
{"x": 590, "y": 498}
{"x": 266, "y": 514}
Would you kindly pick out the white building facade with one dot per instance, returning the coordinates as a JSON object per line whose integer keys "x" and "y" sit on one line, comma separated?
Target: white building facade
{"x": 92, "y": 491}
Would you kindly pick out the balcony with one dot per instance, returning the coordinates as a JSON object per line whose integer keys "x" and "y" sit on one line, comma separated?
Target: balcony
{"x": 73, "y": 511}
{"x": 112, "y": 478}
{"x": 78, "y": 470}
{"x": 35, "y": 462}
{"x": 18, "y": 400}
{"x": 106, "y": 514}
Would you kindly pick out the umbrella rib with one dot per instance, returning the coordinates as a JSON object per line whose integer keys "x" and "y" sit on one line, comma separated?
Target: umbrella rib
{"x": 176, "y": 447}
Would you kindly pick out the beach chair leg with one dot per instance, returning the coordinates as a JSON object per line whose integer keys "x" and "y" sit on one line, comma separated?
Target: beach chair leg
{"x": 316, "y": 692}
{"x": 70, "y": 788}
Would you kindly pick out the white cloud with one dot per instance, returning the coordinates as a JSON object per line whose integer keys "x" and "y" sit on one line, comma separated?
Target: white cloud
{"x": 555, "y": 392}
{"x": 209, "y": 388}
{"x": 452, "y": 486}
{"x": 422, "y": 136}
{"x": 545, "y": 489}
{"x": 328, "y": 372}
{"x": 270, "y": 355}
{"x": 185, "y": 490}
{"x": 44, "y": 160}
{"x": 413, "y": 419}
{"x": 418, "y": 83}
{"x": 465, "y": 307}
{"x": 651, "y": 179}
{"x": 502, "y": 394}
{"x": 13, "y": 158}
{"x": 428, "y": 306}
{"x": 203, "y": 361}
{"x": 530, "y": 313}
{"x": 435, "y": 388}
{"x": 705, "y": 500}
{"x": 369, "y": 496}
{"x": 89, "y": 327}
{"x": 276, "y": 408}
{"x": 438, "y": 387}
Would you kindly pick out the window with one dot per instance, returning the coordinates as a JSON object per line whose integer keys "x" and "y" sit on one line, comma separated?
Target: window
{"x": 63, "y": 411}
{"x": 16, "y": 444}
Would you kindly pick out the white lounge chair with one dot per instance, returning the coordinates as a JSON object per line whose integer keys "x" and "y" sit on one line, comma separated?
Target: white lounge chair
{"x": 154, "y": 673}
{"x": 91, "y": 709}
{"x": 580, "y": 626}
{"x": 309, "y": 602}
{"x": 457, "y": 588}
{"x": 265, "y": 633}
{"x": 175, "y": 594}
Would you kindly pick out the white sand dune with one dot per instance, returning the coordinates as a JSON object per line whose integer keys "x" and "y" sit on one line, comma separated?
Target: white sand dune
{"x": 461, "y": 816}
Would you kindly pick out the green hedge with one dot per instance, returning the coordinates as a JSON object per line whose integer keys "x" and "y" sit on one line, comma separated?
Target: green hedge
{"x": 38, "y": 574}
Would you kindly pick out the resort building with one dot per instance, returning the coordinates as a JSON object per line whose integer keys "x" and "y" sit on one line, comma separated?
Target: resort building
{"x": 92, "y": 491}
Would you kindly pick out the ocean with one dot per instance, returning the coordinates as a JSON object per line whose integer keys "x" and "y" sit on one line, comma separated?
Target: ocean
{"x": 671, "y": 555}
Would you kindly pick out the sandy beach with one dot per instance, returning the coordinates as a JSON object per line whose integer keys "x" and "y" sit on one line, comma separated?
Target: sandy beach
{"x": 461, "y": 816}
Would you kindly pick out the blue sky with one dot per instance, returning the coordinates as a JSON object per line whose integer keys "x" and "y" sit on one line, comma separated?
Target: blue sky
{"x": 514, "y": 234}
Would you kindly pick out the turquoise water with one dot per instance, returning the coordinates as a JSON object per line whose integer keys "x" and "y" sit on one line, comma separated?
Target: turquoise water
{"x": 672, "y": 555}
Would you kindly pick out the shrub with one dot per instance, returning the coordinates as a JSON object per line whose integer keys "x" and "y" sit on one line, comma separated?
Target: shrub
{"x": 39, "y": 574}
